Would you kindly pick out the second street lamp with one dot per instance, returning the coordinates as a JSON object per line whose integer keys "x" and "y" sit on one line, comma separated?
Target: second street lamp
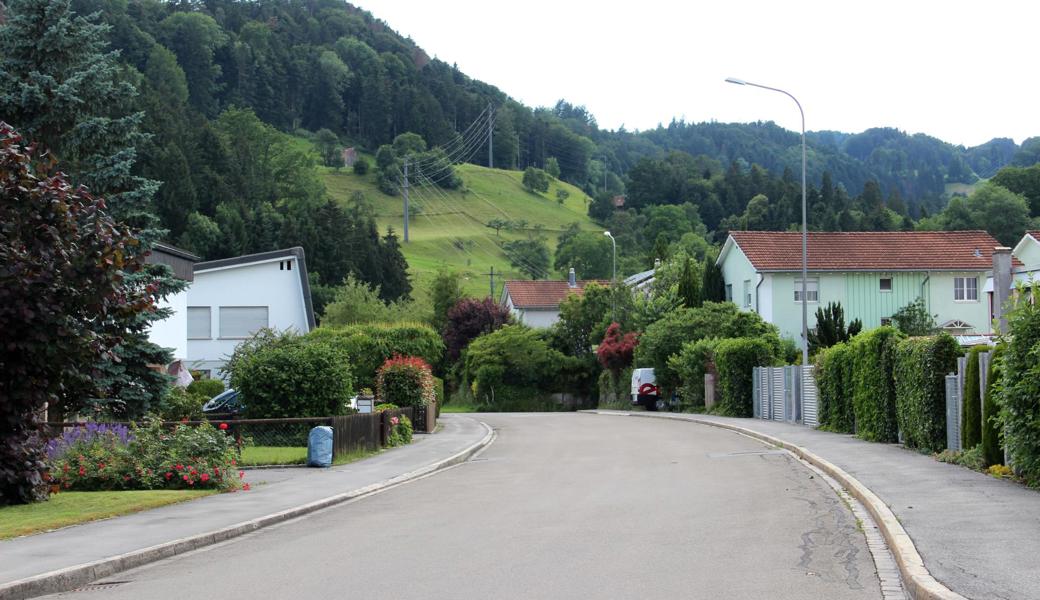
{"x": 805, "y": 227}
{"x": 613, "y": 277}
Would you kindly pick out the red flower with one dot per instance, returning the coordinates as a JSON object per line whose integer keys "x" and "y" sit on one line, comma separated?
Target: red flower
{"x": 100, "y": 466}
{"x": 245, "y": 487}
{"x": 185, "y": 477}
{"x": 223, "y": 426}
{"x": 205, "y": 477}
{"x": 241, "y": 474}
{"x": 179, "y": 467}
{"x": 191, "y": 483}
{"x": 395, "y": 420}
{"x": 169, "y": 474}
{"x": 234, "y": 462}
{"x": 82, "y": 471}
{"x": 216, "y": 470}
{"x": 126, "y": 478}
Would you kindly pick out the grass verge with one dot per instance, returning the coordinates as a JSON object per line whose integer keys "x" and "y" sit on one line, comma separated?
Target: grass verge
{"x": 70, "y": 508}
{"x": 458, "y": 408}
{"x": 353, "y": 456}
{"x": 273, "y": 455}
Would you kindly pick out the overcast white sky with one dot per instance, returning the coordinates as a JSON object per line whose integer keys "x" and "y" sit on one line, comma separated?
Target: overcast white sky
{"x": 965, "y": 72}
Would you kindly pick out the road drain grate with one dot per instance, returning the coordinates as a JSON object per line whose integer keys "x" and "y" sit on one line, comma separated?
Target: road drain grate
{"x": 749, "y": 453}
{"x": 97, "y": 587}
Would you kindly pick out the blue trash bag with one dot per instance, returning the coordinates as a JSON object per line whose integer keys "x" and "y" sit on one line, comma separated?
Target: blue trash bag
{"x": 319, "y": 447}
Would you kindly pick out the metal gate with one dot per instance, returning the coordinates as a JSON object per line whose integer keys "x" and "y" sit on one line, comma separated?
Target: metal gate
{"x": 785, "y": 394}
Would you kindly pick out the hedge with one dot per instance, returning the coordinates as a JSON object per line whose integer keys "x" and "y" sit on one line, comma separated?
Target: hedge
{"x": 873, "y": 386}
{"x": 920, "y": 366}
{"x": 834, "y": 381}
{"x": 514, "y": 369}
{"x": 1020, "y": 389}
{"x": 690, "y": 365}
{"x": 294, "y": 378}
{"x": 992, "y": 452}
{"x": 971, "y": 405}
{"x": 735, "y": 360}
{"x": 370, "y": 345}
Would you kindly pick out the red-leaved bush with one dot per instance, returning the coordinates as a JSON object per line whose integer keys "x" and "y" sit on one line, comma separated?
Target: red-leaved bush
{"x": 615, "y": 351}
{"x": 405, "y": 381}
{"x": 469, "y": 319}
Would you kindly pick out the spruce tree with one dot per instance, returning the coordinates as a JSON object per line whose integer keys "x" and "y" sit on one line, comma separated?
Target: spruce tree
{"x": 713, "y": 288}
{"x": 64, "y": 89}
{"x": 689, "y": 286}
{"x": 395, "y": 285}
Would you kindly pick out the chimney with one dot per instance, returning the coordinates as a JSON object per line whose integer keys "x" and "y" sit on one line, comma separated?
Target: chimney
{"x": 571, "y": 281}
{"x": 1001, "y": 284}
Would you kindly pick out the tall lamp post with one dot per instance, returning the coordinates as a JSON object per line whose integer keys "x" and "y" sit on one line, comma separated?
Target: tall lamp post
{"x": 613, "y": 277}
{"x": 805, "y": 227}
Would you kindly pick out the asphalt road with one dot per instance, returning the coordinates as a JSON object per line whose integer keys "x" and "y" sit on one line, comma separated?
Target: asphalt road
{"x": 560, "y": 506}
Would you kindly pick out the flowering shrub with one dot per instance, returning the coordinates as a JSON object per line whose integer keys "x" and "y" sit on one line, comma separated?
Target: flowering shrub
{"x": 615, "y": 351}
{"x": 150, "y": 457}
{"x": 400, "y": 431}
{"x": 405, "y": 381}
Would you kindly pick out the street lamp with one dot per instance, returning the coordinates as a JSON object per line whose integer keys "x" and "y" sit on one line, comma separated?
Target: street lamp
{"x": 613, "y": 278}
{"x": 805, "y": 227}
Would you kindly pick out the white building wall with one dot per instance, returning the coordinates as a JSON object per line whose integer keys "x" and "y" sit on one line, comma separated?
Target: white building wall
{"x": 254, "y": 284}
{"x": 538, "y": 318}
{"x": 172, "y": 332}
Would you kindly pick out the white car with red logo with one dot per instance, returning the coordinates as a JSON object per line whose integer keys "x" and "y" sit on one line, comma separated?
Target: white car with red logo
{"x": 644, "y": 390}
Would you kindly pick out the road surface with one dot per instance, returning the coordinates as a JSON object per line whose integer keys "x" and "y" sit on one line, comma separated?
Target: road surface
{"x": 560, "y": 506}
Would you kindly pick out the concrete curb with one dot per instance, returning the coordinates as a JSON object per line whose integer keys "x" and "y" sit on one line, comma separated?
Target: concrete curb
{"x": 916, "y": 578}
{"x": 70, "y": 578}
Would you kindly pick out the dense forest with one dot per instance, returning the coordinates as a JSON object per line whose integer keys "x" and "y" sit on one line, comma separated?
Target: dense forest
{"x": 226, "y": 89}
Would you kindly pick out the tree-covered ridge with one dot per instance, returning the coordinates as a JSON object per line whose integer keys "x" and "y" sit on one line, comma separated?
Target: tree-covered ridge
{"x": 325, "y": 64}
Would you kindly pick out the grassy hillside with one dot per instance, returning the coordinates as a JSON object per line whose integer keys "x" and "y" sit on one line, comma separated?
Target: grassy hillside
{"x": 450, "y": 228}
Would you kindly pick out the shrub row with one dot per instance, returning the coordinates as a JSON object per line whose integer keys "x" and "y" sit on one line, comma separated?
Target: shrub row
{"x": 735, "y": 360}
{"x": 835, "y": 384}
{"x": 920, "y": 366}
{"x": 368, "y": 346}
{"x": 873, "y": 384}
{"x": 971, "y": 405}
{"x": 1019, "y": 389}
{"x": 992, "y": 451}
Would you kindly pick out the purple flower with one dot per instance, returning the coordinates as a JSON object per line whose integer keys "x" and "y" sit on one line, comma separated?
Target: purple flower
{"x": 87, "y": 434}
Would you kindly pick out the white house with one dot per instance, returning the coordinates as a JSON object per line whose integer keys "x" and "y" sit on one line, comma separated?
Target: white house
{"x": 172, "y": 332}
{"x": 537, "y": 303}
{"x": 233, "y": 298}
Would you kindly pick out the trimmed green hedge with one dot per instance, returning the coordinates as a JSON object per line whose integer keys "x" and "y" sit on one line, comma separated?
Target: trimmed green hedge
{"x": 834, "y": 381}
{"x": 735, "y": 360}
{"x": 1020, "y": 389}
{"x": 369, "y": 345}
{"x": 690, "y": 365}
{"x": 873, "y": 385}
{"x": 294, "y": 378}
{"x": 920, "y": 367}
{"x": 971, "y": 405}
{"x": 992, "y": 451}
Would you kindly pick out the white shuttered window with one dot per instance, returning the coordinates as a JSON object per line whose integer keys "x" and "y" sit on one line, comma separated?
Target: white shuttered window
{"x": 242, "y": 321}
{"x": 199, "y": 323}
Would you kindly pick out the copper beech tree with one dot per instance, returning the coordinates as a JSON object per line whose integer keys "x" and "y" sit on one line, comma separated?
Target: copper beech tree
{"x": 63, "y": 261}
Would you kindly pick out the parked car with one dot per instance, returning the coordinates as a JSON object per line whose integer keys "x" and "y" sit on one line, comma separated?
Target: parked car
{"x": 645, "y": 392}
{"x": 227, "y": 402}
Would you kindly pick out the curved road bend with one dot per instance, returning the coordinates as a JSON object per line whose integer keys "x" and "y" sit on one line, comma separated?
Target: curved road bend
{"x": 560, "y": 506}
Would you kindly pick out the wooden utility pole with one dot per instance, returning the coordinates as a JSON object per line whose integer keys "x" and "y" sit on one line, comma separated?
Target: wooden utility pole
{"x": 405, "y": 194}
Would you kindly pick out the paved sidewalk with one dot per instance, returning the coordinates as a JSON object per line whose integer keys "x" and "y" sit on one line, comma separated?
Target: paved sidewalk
{"x": 978, "y": 535}
{"x": 273, "y": 490}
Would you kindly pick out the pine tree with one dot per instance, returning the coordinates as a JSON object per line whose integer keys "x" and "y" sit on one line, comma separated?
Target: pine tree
{"x": 395, "y": 285}
{"x": 689, "y": 286}
{"x": 713, "y": 288}
{"x": 63, "y": 88}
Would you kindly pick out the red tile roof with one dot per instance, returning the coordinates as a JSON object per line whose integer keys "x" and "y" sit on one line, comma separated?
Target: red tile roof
{"x": 545, "y": 294}
{"x": 869, "y": 250}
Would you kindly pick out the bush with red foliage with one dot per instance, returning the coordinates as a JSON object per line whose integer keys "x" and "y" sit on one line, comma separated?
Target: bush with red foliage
{"x": 469, "y": 319}
{"x": 615, "y": 351}
{"x": 405, "y": 381}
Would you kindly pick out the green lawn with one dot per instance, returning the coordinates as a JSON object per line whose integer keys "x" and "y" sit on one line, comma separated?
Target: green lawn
{"x": 69, "y": 508}
{"x": 458, "y": 408}
{"x": 450, "y": 229}
{"x": 273, "y": 455}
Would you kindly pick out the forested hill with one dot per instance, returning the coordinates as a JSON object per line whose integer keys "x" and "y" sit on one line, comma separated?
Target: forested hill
{"x": 327, "y": 64}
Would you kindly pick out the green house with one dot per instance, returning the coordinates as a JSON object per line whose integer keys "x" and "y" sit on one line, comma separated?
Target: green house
{"x": 872, "y": 275}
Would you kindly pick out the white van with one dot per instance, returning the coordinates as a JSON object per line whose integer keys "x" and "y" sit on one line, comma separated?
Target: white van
{"x": 644, "y": 390}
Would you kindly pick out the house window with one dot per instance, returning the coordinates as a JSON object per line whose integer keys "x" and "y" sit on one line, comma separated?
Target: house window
{"x": 729, "y": 292}
{"x": 966, "y": 289}
{"x": 199, "y": 323}
{"x": 886, "y": 284}
{"x": 885, "y": 321}
{"x": 812, "y": 290}
{"x": 747, "y": 293}
{"x": 238, "y": 322}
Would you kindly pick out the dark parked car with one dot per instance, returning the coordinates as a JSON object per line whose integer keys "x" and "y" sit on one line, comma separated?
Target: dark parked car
{"x": 227, "y": 402}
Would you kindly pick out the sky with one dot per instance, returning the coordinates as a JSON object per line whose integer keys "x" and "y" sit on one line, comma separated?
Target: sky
{"x": 965, "y": 72}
